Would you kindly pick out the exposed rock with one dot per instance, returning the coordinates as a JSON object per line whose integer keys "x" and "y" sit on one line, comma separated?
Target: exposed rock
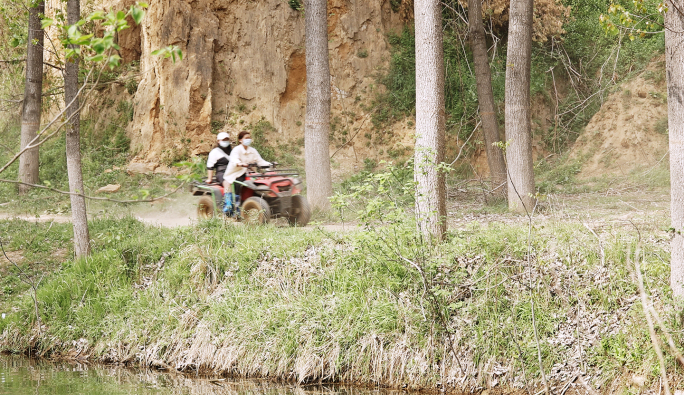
{"x": 165, "y": 170}
{"x": 244, "y": 61}
{"x": 110, "y": 188}
{"x": 140, "y": 168}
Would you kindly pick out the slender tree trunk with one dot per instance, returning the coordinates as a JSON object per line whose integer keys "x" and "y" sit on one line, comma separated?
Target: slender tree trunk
{"x": 316, "y": 135}
{"x": 674, "y": 58}
{"x": 73, "y": 145}
{"x": 485, "y": 95}
{"x": 33, "y": 90}
{"x": 518, "y": 132}
{"x": 430, "y": 120}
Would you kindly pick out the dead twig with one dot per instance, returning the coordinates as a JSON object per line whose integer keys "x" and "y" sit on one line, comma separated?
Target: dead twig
{"x": 93, "y": 197}
{"x": 649, "y": 321}
{"x": 25, "y": 278}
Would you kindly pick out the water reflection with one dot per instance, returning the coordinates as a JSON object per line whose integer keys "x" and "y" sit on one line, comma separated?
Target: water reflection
{"x": 19, "y": 375}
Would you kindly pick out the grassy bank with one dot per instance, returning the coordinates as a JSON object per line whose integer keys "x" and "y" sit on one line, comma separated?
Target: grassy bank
{"x": 374, "y": 306}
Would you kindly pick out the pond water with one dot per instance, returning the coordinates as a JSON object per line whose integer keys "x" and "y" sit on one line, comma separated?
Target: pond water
{"x": 20, "y": 375}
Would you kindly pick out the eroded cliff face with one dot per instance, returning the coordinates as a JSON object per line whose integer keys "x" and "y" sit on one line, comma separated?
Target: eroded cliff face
{"x": 244, "y": 61}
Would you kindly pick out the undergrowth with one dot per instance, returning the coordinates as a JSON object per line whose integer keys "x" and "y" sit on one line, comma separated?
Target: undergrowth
{"x": 377, "y": 305}
{"x": 105, "y": 152}
{"x": 570, "y": 76}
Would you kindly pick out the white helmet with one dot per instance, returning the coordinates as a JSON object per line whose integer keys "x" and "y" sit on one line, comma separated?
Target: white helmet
{"x": 222, "y": 135}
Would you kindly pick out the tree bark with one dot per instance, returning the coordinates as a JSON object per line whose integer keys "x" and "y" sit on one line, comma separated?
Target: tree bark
{"x": 674, "y": 58}
{"x": 33, "y": 90}
{"x": 73, "y": 145}
{"x": 485, "y": 95}
{"x": 430, "y": 120}
{"x": 518, "y": 132}
{"x": 317, "y": 130}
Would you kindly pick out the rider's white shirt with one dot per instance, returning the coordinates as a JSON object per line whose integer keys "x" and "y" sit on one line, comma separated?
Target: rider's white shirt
{"x": 241, "y": 156}
{"x": 214, "y": 155}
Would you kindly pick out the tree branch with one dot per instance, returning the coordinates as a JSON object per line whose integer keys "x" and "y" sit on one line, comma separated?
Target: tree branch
{"x": 93, "y": 197}
{"x": 12, "y": 60}
{"x": 36, "y": 142}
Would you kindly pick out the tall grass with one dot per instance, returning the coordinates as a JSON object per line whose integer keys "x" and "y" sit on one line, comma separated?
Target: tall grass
{"x": 307, "y": 305}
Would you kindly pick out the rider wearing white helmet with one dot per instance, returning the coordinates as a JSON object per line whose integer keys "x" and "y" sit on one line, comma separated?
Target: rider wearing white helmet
{"x": 218, "y": 159}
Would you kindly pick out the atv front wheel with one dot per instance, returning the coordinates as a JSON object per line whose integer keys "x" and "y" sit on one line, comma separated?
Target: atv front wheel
{"x": 205, "y": 208}
{"x": 301, "y": 211}
{"x": 256, "y": 211}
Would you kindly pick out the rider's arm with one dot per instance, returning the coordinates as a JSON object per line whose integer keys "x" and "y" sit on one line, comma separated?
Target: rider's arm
{"x": 211, "y": 165}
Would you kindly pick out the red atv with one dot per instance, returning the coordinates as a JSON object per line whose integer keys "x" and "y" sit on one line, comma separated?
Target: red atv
{"x": 266, "y": 193}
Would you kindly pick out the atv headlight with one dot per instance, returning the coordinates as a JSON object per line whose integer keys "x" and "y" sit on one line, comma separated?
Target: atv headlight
{"x": 296, "y": 181}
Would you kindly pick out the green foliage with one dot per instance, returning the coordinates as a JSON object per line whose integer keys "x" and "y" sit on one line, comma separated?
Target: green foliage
{"x": 171, "y": 51}
{"x": 400, "y": 80}
{"x": 557, "y": 175}
{"x": 374, "y": 197}
{"x": 636, "y": 18}
{"x": 99, "y": 49}
{"x": 287, "y": 153}
{"x": 282, "y": 292}
{"x": 569, "y": 76}
{"x": 295, "y": 5}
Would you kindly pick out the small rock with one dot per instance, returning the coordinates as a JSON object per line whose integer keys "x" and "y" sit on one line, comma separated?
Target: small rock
{"x": 638, "y": 380}
{"x": 111, "y": 188}
{"x": 140, "y": 168}
{"x": 108, "y": 170}
{"x": 165, "y": 170}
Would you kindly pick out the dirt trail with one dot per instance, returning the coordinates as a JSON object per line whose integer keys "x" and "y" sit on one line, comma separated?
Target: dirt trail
{"x": 629, "y": 208}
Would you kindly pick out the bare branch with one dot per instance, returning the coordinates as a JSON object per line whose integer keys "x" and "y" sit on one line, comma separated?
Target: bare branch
{"x": 649, "y": 321}
{"x": 12, "y": 60}
{"x": 93, "y": 197}
{"x": 36, "y": 142}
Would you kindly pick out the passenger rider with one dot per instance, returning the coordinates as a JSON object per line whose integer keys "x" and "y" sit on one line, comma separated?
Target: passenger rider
{"x": 218, "y": 160}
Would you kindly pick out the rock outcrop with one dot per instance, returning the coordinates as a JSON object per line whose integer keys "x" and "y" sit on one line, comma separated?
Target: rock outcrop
{"x": 244, "y": 61}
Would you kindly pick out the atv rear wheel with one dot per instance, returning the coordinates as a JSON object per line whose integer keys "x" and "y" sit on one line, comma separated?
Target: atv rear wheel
{"x": 301, "y": 211}
{"x": 256, "y": 211}
{"x": 205, "y": 208}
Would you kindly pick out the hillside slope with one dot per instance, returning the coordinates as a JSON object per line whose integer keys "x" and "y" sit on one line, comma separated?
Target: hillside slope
{"x": 629, "y": 132}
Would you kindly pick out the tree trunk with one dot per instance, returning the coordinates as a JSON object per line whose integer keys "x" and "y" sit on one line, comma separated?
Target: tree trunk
{"x": 33, "y": 90}
{"x": 73, "y": 145}
{"x": 316, "y": 135}
{"x": 485, "y": 95}
{"x": 518, "y": 133}
{"x": 430, "y": 120}
{"x": 674, "y": 58}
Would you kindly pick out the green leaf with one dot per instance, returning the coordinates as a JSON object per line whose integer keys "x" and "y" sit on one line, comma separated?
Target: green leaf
{"x": 142, "y": 4}
{"x": 96, "y": 58}
{"x": 137, "y": 14}
{"x": 46, "y": 23}
{"x": 114, "y": 61}
{"x": 97, "y": 15}
{"x": 120, "y": 15}
{"x": 99, "y": 47}
{"x": 83, "y": 40}
{"x": 72, "y": 32}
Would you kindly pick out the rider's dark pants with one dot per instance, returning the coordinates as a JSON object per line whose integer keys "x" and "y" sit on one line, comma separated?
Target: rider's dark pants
{"x": 237, "y": 187}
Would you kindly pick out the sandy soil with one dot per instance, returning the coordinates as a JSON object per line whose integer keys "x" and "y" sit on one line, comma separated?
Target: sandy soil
{"x": 630, "y": 129}
{"x": 630, "y": 208}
